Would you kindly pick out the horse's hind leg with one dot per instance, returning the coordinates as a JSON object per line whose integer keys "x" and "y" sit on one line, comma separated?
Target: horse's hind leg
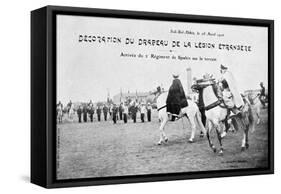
{"x": 258, "y": 116}
{"x": 163, "y": 137}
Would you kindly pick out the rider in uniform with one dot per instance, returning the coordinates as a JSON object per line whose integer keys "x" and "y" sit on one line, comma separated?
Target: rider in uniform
{"x": 176, "y": 98}
{"x": 231, "y": 95}
{"x": 69, "y": 104}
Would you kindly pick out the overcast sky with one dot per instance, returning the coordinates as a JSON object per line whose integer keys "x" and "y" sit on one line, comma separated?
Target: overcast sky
{"x": 88, "y": 70}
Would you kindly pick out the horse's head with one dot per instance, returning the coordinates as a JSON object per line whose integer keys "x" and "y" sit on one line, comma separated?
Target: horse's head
{"x": 211, "y": 91}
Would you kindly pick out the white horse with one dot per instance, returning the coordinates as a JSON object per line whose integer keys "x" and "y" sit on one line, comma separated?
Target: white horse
{"x": 216, "y": 114}
{"x": 71, "y": 112}
{"x": 191, "y": 112}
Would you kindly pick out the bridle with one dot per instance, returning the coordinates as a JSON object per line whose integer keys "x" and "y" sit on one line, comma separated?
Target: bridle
{"x": 219, "y": 102}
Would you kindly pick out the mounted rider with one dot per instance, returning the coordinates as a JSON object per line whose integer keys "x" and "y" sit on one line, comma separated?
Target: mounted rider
{"x": 262, "y": 94}
{"x": 176, "y": 98}
{"x": 59, "y": 105}
{"x": 230, "y": 92}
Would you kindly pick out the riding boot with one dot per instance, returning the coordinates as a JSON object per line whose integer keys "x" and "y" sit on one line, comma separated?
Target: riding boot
{"x": 171, "y": 117}
{"x": 237, "y": 112}
{"x": 227, "y": 126}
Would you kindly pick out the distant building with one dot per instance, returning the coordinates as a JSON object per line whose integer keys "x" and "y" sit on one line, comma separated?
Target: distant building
{"x": 134, "y": 96}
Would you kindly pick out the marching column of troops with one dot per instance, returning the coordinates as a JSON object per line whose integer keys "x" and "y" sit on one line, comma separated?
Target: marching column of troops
{"x": 122, "y": 112}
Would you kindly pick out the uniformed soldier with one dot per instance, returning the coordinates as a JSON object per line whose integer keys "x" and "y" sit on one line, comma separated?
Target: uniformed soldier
{"x": 110, "y": 109}
{"x": 142, "y": 111}
{"x": 125, "y": 112}
{"x": 85, "y": 111}
{"x": 134, "y": 110}
{"x": 105, "y": 111}
{"x": 120, "y": 109}
{"x": 114, "y": 113}
{"x": 69, "y": 104}
{"x": 91, "y": 112}
{"x": 149, "y": 108}
{"x": 99, "y": 112}
{"x": 90, "y": 104}
{"x": 79, "y": 113}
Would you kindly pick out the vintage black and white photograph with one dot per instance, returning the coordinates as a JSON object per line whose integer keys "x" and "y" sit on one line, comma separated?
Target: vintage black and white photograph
{"x": 141, "y": 97}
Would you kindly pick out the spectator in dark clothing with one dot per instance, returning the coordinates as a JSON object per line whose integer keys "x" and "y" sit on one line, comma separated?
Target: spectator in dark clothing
{"x": 105, "y": 111}
{"x": 79, "y": 113}
{"x": 98, "y": 112}
{"x": 125, "y": 113}
{"x": 85, "y": 111}
{"x": 142, "y": 111}
{"x": 114, "y": 113}
{"x": 91, "y": 113}
{"x": 134, "y": 110}
{"x": 120, "y": 109}
{"x": 149, "y": 108}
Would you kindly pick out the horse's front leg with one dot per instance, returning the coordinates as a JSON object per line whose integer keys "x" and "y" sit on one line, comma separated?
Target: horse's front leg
{"x": 208, "y": 131}
{"x": 163, "y": 137}
{"x": 193, "y": 128}
{"x": 245, "y": 140}
{"x": 218, "y": 130}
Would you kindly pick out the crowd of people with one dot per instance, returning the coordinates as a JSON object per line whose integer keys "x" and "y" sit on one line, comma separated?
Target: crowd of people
{"x": 110, "y": 111}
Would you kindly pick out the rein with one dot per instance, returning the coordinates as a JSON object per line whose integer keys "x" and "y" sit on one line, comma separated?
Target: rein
{"x": 158, "y": 109}
{"x": 219, "y": 102}
{"x": 213, "y": 105}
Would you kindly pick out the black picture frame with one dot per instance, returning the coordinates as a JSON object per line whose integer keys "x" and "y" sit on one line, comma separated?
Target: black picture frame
{"x": 43, "y": 95}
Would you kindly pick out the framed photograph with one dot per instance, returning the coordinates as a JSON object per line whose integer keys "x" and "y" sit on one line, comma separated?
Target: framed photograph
{"x": 126, "y": 96}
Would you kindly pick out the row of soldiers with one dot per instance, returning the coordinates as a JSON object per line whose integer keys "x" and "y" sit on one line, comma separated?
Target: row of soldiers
{"x": 121, "y": 112}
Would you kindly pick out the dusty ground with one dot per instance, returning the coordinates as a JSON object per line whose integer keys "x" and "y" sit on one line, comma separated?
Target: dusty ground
{"x": 101, "y": 149}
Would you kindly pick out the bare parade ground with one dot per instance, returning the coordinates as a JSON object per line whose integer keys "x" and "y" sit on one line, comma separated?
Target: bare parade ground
{"x": 102, "y": 149}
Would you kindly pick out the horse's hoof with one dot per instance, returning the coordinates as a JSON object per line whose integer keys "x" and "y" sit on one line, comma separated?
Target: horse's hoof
{"x": 247, "y": 146}
{"x": 159, "y": 143}
{"x": 243, "y": 149}
{"x": 214, "y": 150}
{"x": 220, "y": 153}
{"x": 166, "y": 140}
{"x": 190, "y": 141}
{"x": 201, "y": 135}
